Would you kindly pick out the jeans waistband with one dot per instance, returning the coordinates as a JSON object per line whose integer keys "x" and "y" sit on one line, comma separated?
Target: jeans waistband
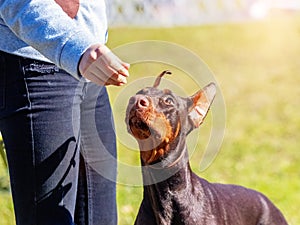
{"x": 23, "y": 60}
{"x": 30, "y": 64}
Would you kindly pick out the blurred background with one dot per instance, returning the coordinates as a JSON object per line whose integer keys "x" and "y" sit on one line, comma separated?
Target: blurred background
{"x": 193, "y": 12}
{"x": 252, "y": 48}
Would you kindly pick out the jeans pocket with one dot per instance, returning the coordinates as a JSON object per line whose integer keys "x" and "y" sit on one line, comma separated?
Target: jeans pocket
{"x": 13, "y": 90}
{"x": 2, "y": 82}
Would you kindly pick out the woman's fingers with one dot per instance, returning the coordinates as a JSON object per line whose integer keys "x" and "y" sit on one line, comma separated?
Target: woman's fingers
{"x": 102, "y": 66}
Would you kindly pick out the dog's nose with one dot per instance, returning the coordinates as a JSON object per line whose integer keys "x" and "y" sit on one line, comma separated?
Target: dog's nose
{"x": 139, "y": 101}
{"x": 142, "y": 102}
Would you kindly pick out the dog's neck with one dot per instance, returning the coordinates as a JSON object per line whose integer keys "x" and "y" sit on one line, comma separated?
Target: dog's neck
{"x": 165, "y": 186}
{"x": 175, "y": 160}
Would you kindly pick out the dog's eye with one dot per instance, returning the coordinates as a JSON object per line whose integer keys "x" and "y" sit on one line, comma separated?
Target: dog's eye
{"x": 169, "y": 101}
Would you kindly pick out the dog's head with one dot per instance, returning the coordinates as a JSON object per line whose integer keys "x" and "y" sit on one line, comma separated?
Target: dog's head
{"x": 158, "y": 118}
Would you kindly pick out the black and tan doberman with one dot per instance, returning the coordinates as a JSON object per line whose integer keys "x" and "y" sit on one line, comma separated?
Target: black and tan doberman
{"x": 173, "y": 194}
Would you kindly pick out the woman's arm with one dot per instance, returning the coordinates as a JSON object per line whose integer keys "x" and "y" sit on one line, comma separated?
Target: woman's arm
{"x": 43, "y": 25}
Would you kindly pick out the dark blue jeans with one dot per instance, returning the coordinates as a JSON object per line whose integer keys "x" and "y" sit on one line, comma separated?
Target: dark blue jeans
{"x": 60, "y": 143}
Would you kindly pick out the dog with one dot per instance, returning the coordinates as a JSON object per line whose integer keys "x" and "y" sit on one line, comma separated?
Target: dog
{"x": 173, "y": 195}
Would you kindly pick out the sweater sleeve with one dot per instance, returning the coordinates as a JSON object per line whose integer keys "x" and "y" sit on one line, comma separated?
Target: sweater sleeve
{"x": 43, "y": 25}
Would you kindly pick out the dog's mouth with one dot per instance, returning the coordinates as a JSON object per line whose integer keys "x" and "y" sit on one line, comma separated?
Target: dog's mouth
{"x": 152, "y": 132}
{"x": 139, "y": 128}
{"x": 142, "y": 125}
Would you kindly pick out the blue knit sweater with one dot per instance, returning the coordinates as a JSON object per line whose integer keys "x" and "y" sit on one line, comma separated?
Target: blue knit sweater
{"x": 40, "y": 29}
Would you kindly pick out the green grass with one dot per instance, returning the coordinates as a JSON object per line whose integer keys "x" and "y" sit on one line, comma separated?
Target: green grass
{"x": 6, "y": 207}
{"x": 257, "y": 67}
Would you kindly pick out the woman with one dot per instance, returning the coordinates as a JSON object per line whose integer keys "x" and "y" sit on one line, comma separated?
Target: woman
{"x": 56, "y": 124}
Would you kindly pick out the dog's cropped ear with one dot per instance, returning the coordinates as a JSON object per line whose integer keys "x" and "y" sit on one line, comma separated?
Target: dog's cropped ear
{"x": 200, "y": 104}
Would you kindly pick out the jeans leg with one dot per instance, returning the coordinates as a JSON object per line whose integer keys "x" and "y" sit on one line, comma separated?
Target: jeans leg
{"x": 98, "y": 148}
{"x": 40, "y": 126}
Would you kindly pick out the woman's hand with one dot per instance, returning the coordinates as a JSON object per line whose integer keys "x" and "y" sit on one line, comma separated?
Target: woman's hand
{"x": 101, "y": 66}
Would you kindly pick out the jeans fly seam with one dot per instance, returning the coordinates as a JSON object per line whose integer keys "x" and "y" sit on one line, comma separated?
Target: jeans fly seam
{"x": 89, "y": 195}
{"x": 89, "y": 190}
{"x": 32, "y": 136}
